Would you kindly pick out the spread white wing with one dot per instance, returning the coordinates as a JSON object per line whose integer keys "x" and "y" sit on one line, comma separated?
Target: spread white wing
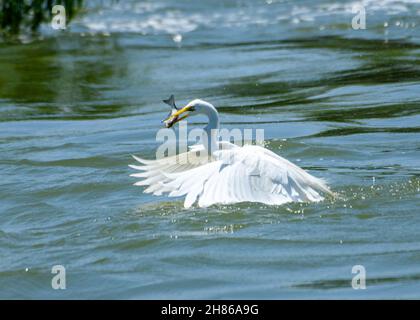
{"x": 233, "y": 174}
{"x": 154, "y": 172}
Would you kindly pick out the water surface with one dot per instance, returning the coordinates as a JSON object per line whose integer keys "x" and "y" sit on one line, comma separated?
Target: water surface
{"x": 343, "y": 104}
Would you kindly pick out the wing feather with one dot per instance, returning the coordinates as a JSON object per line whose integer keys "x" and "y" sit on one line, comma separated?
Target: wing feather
{"x": 250, "y": 173}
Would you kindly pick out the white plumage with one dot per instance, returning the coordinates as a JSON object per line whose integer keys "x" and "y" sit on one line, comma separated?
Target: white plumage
{"x": 230, "y": 175}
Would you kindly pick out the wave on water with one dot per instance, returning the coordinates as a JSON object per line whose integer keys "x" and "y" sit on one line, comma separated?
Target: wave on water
{"x": 187, "y": 16}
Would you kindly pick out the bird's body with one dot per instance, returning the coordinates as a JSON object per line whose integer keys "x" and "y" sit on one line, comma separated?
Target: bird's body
{"x": 230, "y": 174}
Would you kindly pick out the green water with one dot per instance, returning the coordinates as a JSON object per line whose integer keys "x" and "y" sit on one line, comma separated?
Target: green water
{"x": 343, "y": 104}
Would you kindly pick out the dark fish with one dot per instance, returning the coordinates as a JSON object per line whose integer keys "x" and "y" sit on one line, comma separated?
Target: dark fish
{"x": 169, "y": 120}
{"x": 171, "y": 102}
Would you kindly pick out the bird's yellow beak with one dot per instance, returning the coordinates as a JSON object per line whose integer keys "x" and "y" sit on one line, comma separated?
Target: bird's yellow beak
{"x": 175, "y": 117}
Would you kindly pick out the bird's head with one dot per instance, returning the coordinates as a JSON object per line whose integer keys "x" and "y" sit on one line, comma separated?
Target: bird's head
{"x": 194, "y": 107}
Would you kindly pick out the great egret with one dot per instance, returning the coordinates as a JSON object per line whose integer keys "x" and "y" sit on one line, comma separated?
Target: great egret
{"x": 231, "y": 175}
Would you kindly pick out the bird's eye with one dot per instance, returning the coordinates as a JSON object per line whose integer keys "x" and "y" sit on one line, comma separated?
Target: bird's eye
{"x": 192, "y": 108}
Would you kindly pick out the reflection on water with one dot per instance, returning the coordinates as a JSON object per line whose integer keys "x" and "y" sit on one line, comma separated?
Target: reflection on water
{"x": 342, "y": 104}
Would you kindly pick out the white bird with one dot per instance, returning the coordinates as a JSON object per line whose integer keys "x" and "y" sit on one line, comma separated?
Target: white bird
{"x": 231, "y": 174}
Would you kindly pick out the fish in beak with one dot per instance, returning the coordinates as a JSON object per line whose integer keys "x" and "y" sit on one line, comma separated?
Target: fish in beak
{"x": 175, "y": 115}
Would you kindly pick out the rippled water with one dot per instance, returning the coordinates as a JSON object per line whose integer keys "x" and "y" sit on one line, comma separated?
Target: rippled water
{"x": 342, "y": 103}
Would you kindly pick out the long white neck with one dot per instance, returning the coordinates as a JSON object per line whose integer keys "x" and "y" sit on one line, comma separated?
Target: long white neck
{"x": 211, "y": 128}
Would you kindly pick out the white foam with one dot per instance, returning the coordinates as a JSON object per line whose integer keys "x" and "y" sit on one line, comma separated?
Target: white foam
{"x": 177, "y": 19}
